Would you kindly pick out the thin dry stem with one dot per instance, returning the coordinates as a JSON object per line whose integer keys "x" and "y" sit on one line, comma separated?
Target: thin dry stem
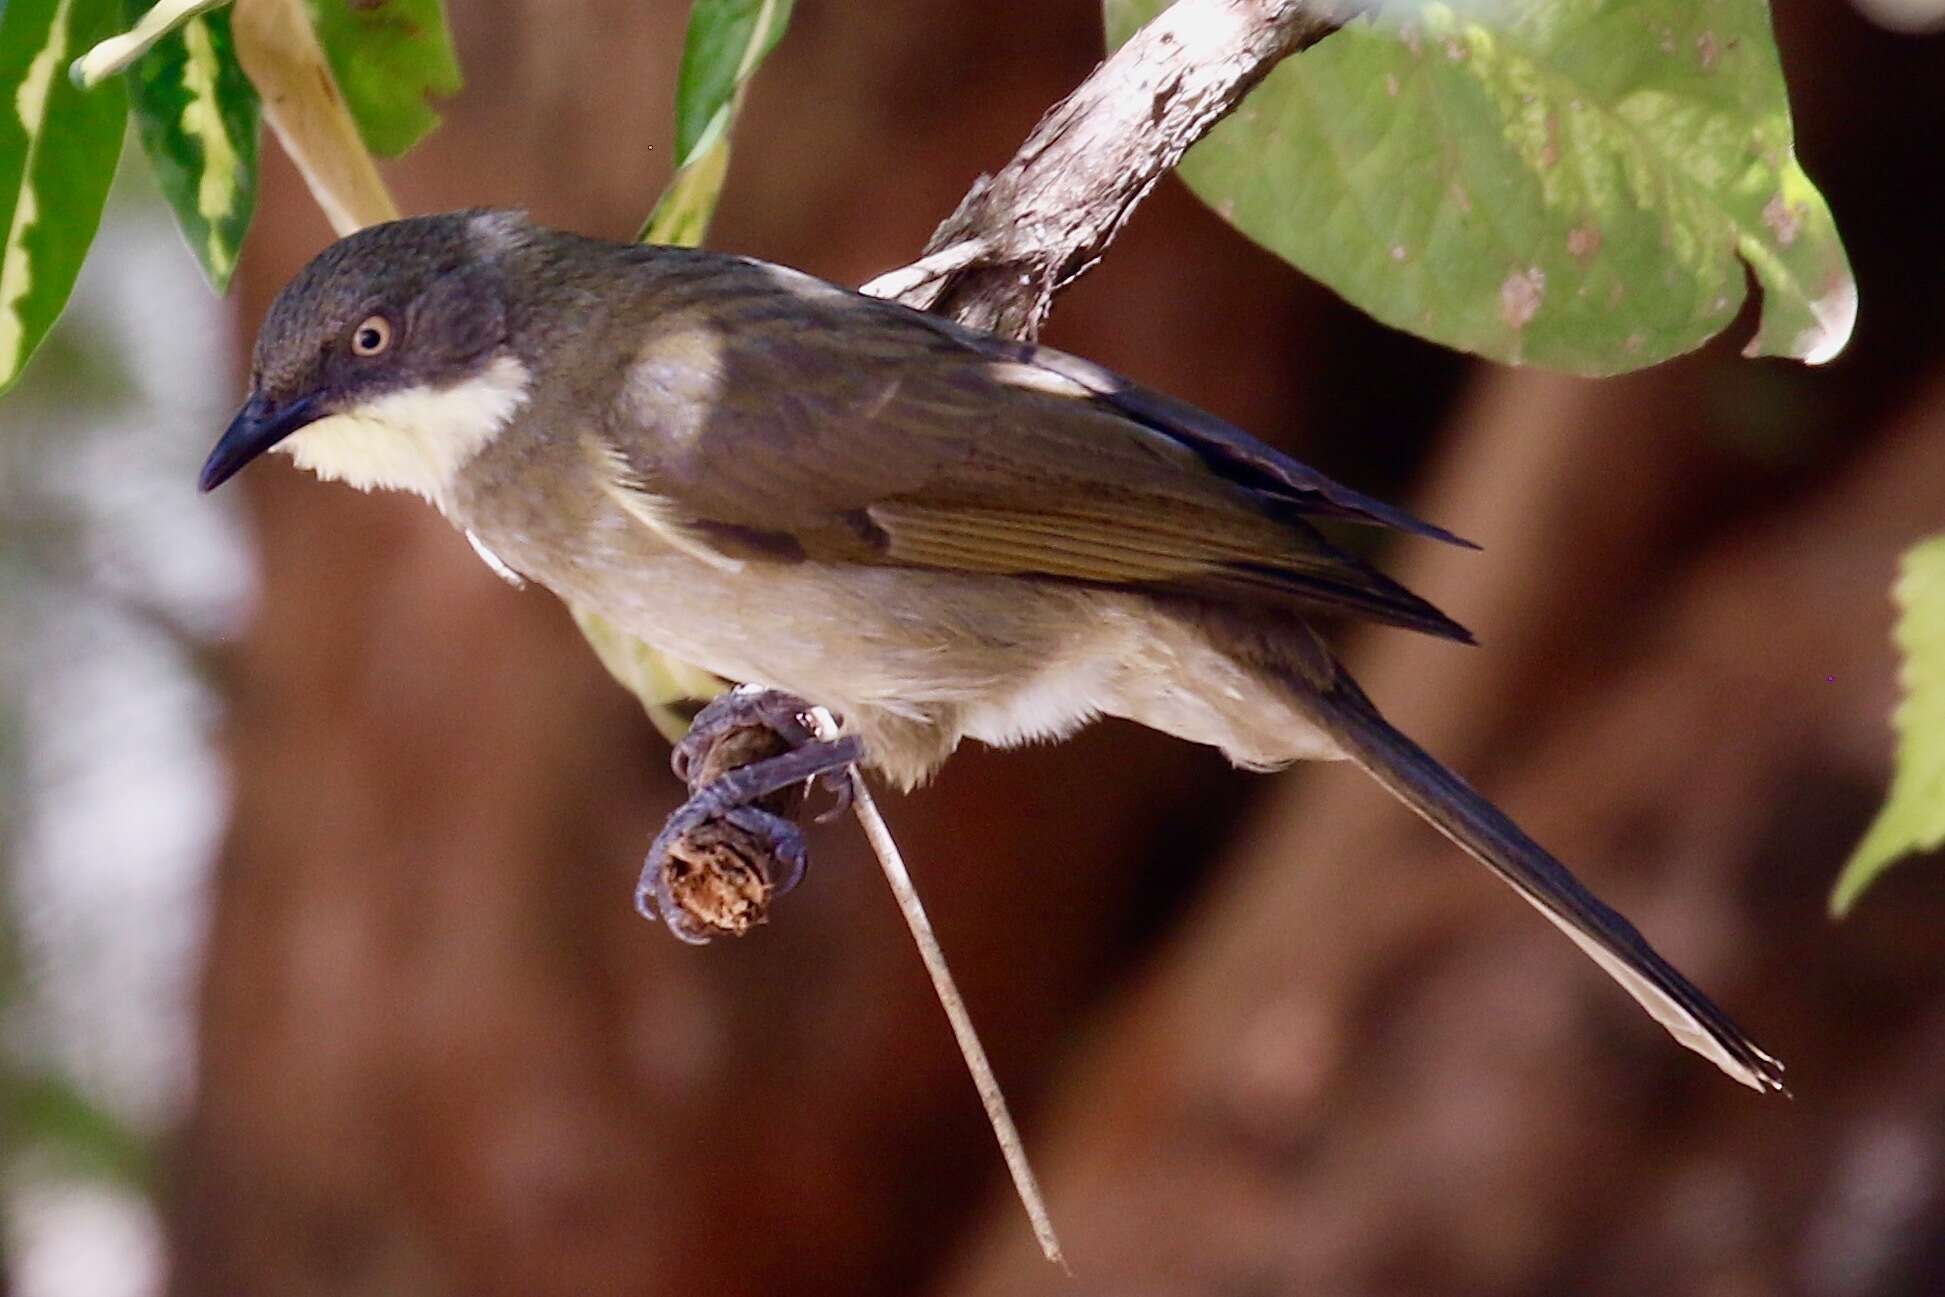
{"x": 878, "y": 834}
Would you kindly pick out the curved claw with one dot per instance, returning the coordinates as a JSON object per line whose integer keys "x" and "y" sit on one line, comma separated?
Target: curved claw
{"x": 839, "y": 782}
{"x": 653, "y": 899}
{"x": 785, "y": 840}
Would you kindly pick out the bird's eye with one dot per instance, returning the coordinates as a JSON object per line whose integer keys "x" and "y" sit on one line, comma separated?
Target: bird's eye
{"x": 371, "y": 337}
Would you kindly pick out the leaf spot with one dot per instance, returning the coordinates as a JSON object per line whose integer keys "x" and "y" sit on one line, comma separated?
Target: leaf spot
{"x": 1520, "y": 295}
{"x": 1391, "y": 84}
{"x": 1709, "y": 49}
{"x": 1784, "y": 221}
{"x": 1398, "y": 252}
{"x": 1584, "y": 242}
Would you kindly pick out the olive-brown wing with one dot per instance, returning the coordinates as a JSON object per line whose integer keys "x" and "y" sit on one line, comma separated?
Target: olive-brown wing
{"x": 787, "y": 419}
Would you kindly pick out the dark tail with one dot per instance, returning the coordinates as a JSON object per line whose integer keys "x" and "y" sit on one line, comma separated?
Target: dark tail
{"x": 1485, "y": 832}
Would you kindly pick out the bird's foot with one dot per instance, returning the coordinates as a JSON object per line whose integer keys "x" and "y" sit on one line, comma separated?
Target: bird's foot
{"x": 718, "y": 877}
{"x": 726, "y": 726}
{"x": 732, "y": 847}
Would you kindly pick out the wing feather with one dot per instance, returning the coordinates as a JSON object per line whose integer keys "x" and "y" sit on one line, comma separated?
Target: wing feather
{"x": 863, "y": 432}
{"x": 669, "y": 520}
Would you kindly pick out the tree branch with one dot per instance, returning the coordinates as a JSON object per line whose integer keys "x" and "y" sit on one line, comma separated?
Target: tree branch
{"x": 1020, "y": 236}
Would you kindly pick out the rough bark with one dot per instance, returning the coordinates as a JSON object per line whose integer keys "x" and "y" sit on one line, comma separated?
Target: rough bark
{"x": 1019, "y": 236}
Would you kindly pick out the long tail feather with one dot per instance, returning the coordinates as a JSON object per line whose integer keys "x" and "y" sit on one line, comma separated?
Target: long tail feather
{"x": 1486, "y": 833}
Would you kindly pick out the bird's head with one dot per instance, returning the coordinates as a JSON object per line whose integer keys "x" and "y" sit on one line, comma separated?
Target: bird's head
{"x": 387, "y": 361}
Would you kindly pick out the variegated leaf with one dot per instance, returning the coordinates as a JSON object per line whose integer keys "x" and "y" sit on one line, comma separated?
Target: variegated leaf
{"x": 118, "y": 52}
{"x": 58, "y": 148}
{"x": 198, "y": 118}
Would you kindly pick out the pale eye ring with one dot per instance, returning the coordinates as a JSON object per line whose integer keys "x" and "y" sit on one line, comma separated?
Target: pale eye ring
{"x": 371, "y": 337}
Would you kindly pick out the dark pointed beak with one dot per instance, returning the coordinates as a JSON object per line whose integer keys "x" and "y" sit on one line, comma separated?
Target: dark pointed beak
{"x": 258, "y": 426}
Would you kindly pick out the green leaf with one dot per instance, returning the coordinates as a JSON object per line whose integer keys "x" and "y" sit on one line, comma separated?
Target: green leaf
{"x": 197, "y": 116}
{"x": 1569, "y": 183}
{"x": 389, "y": 58}
{"x": 58, "y": 146}
{"x": 727, "y": 41}
{"x": 1913, "y": 818}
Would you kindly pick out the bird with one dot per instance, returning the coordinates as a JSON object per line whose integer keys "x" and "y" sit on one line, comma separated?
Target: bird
{"x": 934, "y": 532}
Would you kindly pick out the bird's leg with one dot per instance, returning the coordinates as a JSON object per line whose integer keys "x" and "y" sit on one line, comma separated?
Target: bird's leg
{"x": 741, "y": 708}
{"x": 732, "y": 846}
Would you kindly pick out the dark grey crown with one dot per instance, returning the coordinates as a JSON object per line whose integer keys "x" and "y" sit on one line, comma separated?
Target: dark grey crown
{"x": 435, "y": 279}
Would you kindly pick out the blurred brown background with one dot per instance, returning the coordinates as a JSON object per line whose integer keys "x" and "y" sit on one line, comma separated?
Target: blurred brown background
{"x": 1266, "y": 1035}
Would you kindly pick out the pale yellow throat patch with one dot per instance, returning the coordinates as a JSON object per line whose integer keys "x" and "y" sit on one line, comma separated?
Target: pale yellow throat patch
{"x": 416, "y": 439}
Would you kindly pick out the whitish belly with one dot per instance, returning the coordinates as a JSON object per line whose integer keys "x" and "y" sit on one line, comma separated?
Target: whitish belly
{"x": 847, "y": 636}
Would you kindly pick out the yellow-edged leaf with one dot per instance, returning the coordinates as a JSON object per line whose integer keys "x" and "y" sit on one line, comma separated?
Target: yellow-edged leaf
{"x": 58, "y": 148}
